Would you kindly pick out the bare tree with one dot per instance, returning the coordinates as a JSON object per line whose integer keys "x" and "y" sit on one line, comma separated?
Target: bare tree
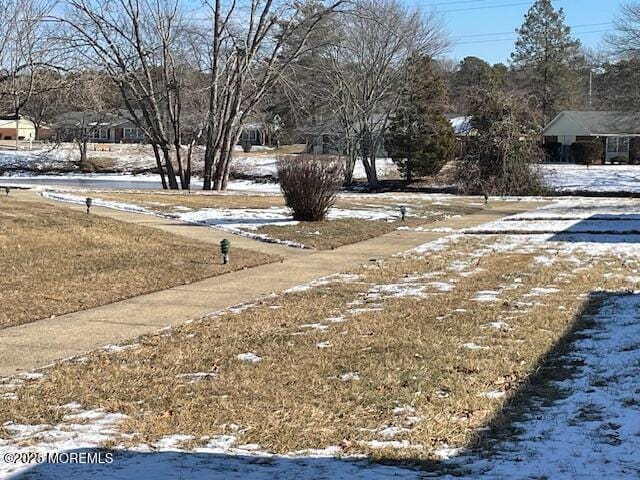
{"x": 85, "y": 107}
{"x": 142, "y": 46}
{"x": 28, "y": 53}
{"x": 616, "y": 84}
{"x": 625, "y": 41}
{"x": 252, "y": 43}
{"x": 365, "y": 72}
{"x": 43, "y": 107}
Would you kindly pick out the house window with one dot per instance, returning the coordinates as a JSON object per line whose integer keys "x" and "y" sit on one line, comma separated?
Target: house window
{"x": 131, "y": 133}
{"x": 253, "y": 135}
{"x": 100, "y": 134}
{"x": 618, "y": 145}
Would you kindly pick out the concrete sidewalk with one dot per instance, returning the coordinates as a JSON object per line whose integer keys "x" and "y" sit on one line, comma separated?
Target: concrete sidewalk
{"x": 192, "y": 231}
{"x": 32, "y": 345}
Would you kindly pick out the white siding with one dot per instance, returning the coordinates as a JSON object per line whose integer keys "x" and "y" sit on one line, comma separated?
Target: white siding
{"x": 567, "y": 139}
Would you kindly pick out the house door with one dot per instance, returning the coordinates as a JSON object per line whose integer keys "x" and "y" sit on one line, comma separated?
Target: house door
{"x": 618, "y": 149}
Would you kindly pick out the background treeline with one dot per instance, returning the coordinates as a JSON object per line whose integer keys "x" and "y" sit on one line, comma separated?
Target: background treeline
{"x": 368, "y": 76}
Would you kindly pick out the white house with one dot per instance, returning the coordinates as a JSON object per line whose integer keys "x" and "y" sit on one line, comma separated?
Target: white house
{"x": 24, "y": 129}
{"x": 618, "y": 131}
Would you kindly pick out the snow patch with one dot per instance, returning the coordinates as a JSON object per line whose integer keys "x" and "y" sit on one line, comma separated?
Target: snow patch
{"x": 249, "y": 357}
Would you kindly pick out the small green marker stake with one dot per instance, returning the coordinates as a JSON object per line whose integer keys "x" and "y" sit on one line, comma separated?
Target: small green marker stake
{"x": 225, "y": 249}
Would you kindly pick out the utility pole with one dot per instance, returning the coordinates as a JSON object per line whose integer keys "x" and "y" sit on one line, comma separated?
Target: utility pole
{"x": 597, "y": 70}
{"x": 17, "y": 126}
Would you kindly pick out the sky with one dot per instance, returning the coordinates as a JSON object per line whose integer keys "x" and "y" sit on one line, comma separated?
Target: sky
{"x": 482, "y": 28}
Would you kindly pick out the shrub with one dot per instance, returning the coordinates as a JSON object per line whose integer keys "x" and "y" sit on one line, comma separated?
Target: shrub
{"x": 422, "y": 150}
{"x": 310, "y": 184}
{"x": 587, "y": 153}
{"x": 246, "y": 145}
{"x": 500, "y": 157}
{"x": 553, "y": 152}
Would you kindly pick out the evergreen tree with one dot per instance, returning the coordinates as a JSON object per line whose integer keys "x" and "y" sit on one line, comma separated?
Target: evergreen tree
{"x": 549, "y": 58}
{"x": 420, "y": 139}
{"x": 499, "y": 75}
{"x": 472, "y": 74}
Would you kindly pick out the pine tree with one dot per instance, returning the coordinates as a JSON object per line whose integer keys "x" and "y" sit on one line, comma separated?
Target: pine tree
{"x": 420, "y": 138}
{"x": 548, "y": 57}
{"x": 474, "y": 73}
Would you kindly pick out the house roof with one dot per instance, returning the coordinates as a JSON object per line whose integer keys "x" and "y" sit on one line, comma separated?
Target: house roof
{"x": 596, "y": 123}
{"x": 11, "y": 123}
{"x": 461, "y": 125}
{"x": 89, "y": 118}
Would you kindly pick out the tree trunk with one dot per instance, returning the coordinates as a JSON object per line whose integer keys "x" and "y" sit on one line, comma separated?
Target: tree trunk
{"x": 227, "y": 169}
{"x": 171, "y": 174}
{"x": 224, "y": 159}
{"x": 209, "y": 160}
{"x": 192, "y": 144}
{"x": 183, "y": 179}
{"x": 221, "y": 167}
{"x": 350, "y": 163}
{"x": 156, "y": 153}
{"x": 369, "y": 161}
{"x": 84, "y": 164}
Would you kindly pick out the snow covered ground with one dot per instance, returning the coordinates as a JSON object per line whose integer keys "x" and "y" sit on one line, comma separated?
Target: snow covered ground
{"x": 127, "y": 158}
{"x": 596, "y": 178}
{"x": 96, "y": 202}
{"x": 594, "y": 432}
{"x": 266, "y": 166}
{"x": 262, "y": 164}
{"x": 577, "y": 219}
{"x": 123, "y": 181}
{"x": 51, "y": 157}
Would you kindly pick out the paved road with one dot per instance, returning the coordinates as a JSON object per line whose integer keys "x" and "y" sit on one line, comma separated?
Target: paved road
{"x": 33, "y": 345}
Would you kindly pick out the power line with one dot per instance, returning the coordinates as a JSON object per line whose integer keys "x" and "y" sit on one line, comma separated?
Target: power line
{"x": 476, "y": 35}
{"x": 459, "y": 2}
{"x": 468, "y": 9}
{"x": 511, "y": 39}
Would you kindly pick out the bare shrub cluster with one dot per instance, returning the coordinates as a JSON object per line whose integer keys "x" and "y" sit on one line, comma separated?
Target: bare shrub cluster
{"x": 501, "y": 154}
{"x": 310, "y": 184}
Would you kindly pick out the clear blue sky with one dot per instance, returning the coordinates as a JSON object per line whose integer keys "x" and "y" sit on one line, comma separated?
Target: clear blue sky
{"x": 468, "y": 24}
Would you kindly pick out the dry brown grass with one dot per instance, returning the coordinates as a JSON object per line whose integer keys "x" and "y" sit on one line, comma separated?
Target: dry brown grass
{"x": 56, "y": 260}
{"x": 415, "y": 206}
{"x": 332, "y": 234}
{"x": 410, "y": 352}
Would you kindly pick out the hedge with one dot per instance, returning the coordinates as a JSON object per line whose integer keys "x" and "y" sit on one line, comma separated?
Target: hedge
{"x": 553, "y": 152}
{"x": 587, "y": 153}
